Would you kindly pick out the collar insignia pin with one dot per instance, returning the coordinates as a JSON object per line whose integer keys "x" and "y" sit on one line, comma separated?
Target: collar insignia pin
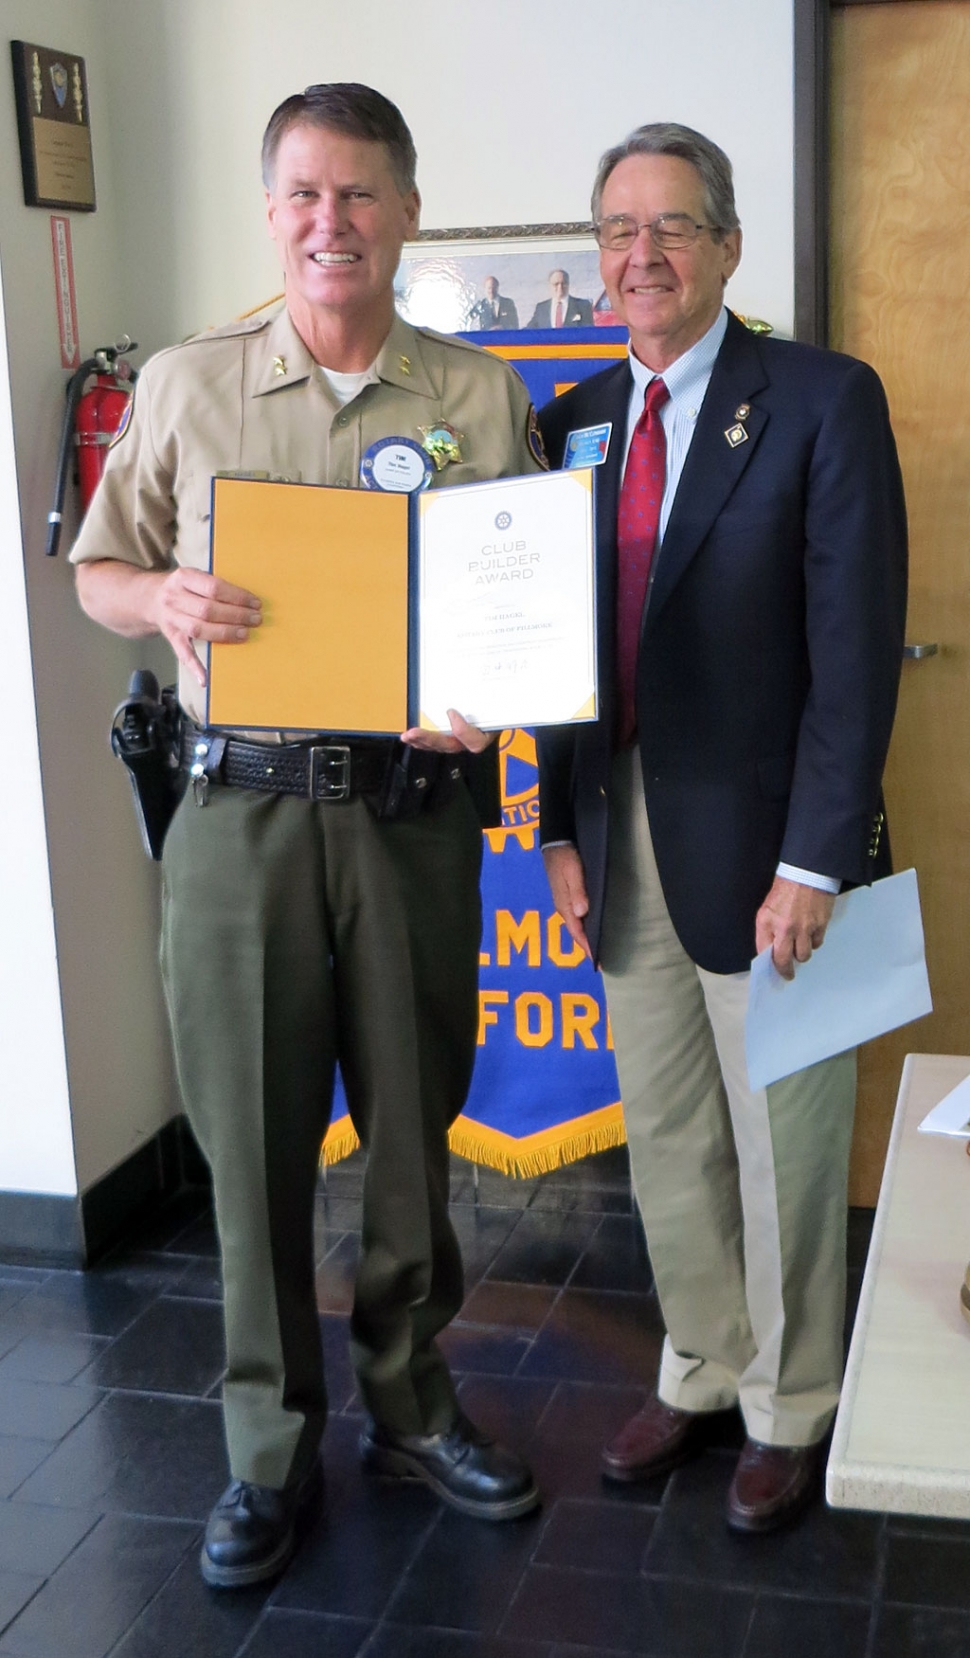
{"x": 279, "y": 365}
{"x": 405, "y": 364}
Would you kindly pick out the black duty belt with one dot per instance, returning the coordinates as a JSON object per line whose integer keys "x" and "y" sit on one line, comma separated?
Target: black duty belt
{"x": 317, "y": 771}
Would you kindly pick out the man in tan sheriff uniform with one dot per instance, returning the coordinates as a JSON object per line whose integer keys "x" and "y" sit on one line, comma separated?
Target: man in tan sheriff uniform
{"x": 330, "y": 912}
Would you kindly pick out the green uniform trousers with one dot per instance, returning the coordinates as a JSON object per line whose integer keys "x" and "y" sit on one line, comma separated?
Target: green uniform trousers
{"x": 296, "y": 935}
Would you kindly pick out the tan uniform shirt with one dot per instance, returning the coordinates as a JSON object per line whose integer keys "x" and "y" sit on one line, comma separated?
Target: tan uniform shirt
{"x": 250, "y": 399}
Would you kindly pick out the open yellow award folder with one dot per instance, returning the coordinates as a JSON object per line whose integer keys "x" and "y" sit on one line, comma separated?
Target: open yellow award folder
{"x": 331, "y": 567}
{"x": 383, "y": 610}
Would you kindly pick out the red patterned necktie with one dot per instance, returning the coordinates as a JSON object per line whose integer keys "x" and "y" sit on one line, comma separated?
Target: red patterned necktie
{"x": 636, "y": 537}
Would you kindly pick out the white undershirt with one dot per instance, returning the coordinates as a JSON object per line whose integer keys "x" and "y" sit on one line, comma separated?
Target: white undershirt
{"x": 346, "y": 386}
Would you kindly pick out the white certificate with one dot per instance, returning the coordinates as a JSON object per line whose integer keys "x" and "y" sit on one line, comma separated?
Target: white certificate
{"x": 506, "y": 606}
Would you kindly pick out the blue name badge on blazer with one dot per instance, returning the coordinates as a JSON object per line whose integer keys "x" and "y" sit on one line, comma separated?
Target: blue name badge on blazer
{"x": 587, "y": 447}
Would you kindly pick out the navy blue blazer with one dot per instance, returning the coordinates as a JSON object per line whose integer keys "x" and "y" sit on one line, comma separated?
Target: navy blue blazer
{"x": 770, "y": 648}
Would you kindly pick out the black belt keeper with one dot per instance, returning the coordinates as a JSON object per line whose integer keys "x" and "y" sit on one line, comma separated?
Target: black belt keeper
{"x": 395, "y": 780}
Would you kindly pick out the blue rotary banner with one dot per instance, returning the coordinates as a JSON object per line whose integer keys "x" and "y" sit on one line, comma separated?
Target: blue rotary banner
{"x": 550, "y": 361}
{"x": 544, "y": 1090}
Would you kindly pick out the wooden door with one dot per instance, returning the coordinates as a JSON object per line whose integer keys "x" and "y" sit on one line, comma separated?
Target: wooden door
{"x": 900, "y": 299}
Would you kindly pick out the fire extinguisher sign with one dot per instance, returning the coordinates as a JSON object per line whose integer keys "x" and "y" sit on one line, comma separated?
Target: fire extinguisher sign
{"x": 64, "y": 288}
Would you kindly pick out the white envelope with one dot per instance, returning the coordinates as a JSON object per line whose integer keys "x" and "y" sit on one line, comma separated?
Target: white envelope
{"x": 868, "y": 977}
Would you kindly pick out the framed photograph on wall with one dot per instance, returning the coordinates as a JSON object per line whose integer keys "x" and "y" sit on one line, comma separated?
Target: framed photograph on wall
{"x": 503, "y": 278}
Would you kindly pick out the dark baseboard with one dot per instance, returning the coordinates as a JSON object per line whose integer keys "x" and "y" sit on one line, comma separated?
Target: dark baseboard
{"x": 41, "y": 1230}
{"x": 131, "y": 1194}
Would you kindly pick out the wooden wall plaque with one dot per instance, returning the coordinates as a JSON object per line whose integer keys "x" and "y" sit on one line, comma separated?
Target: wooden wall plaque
{"x": 54, "y": 128}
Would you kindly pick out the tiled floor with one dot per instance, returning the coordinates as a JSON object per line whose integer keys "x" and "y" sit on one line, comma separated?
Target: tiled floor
{"x": 111, "y": 1455}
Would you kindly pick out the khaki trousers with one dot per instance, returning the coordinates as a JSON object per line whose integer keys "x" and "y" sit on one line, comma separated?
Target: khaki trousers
{"x": 296, "y": 935}
{"x": 743, "y": 1193}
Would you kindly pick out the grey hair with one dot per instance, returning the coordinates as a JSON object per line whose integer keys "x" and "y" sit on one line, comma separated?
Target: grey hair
{"x": 670, "y": 138}
{"x": 349, "y": 108}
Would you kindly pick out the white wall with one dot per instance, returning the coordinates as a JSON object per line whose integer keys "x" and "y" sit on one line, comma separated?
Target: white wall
{"x": 36, "y": 1147}
{"x": 107, "y": 1017}
{"x": 510, "y": 106}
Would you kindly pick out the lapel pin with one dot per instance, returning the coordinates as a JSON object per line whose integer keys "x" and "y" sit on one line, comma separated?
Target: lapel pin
{"x": 736, "y": 435}
{"x": 279, "y": 365}
{"x": 742, "y": 411}
{"x": 405, "y": 364}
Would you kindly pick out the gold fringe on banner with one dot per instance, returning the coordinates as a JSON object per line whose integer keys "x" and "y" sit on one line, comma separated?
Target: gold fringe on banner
{"x": 539, "y": 1153}
{"x": 524, "y": 1158}
{"x": 339, "y": 1141}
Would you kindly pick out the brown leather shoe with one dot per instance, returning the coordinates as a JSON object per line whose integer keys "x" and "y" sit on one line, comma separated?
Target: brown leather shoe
{"x": 657, "y": 1439}
{"x": 771, "y": 1485}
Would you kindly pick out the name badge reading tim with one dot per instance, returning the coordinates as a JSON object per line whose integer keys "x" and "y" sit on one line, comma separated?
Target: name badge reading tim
{"x": 396, "y": 464}
{"x": 588, "y": 447}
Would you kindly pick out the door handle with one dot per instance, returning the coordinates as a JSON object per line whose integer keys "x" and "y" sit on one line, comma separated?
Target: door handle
{"x": 915, "y": 653}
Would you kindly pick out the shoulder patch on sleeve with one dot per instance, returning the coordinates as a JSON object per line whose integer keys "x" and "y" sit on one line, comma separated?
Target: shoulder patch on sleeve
{"x": 534, "y": 439}
{"x": 124, "y": 422}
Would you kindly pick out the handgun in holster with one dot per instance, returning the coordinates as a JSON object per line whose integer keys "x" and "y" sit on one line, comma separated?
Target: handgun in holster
{"x": 145, "y": 737}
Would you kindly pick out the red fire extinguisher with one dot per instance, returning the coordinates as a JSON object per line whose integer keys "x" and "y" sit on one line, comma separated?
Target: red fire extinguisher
{"x": 91, "y": 419}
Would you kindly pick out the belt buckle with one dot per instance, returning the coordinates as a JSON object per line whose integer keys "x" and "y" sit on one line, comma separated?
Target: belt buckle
{"x": 330, "y": 772}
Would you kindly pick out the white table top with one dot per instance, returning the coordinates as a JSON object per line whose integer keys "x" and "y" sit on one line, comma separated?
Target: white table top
{"x": 902, "y": 1433}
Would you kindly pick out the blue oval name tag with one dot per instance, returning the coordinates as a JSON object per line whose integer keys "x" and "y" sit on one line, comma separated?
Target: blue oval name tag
{"x": 397, "y": 464}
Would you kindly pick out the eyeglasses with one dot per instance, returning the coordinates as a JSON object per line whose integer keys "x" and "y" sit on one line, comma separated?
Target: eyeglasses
{"x": 668, "y": 232}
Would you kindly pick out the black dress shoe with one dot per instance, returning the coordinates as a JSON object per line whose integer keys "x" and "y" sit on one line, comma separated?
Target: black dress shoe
{"x": 462, "y": 1466}
{"x": 253, "y": 1531}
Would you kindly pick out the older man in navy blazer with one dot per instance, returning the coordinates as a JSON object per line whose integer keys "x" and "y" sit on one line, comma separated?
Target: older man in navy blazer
{"x": 751, "y": 586}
